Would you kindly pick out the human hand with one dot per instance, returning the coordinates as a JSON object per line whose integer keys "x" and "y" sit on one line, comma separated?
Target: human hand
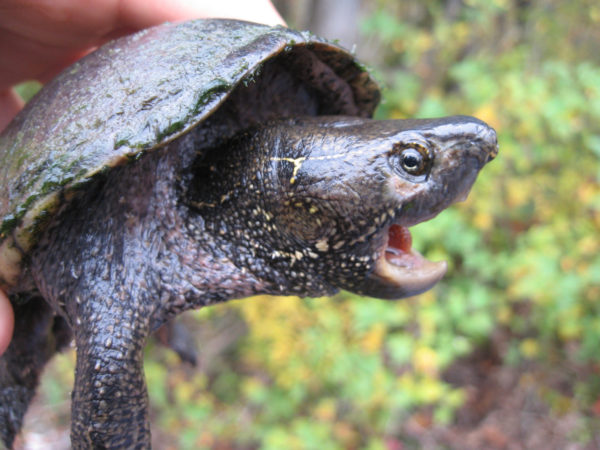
{"x": 6, "y": 322}
{"x": 39, "y": 38}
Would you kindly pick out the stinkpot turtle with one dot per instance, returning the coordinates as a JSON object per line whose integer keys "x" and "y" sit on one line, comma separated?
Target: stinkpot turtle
{"x": 190, "y": 164}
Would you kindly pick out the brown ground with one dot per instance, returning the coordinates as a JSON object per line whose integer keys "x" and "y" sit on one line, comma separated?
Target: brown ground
{"x": 508, "y": 408}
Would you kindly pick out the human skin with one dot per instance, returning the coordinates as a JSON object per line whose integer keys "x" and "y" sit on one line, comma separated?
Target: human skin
{"x": 6, "y": 322}
{"x": 39, "y": 38}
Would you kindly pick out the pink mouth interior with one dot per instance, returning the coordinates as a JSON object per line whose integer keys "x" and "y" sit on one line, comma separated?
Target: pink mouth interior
{"x": 399, "y": 248}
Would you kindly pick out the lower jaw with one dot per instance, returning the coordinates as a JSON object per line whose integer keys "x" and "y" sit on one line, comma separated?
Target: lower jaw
{"x": 401, "y": 271}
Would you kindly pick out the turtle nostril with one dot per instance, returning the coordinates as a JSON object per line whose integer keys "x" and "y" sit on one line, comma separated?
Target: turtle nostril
{"x": 489, "y": 139}
{"x": 493, "y": 151}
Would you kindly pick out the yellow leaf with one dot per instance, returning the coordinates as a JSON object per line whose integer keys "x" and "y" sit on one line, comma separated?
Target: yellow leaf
{"x": 518, "y": 195}
{"x": 504, "y": 314}
{"x": 488, "y": 113}
{"x": 326, "y": 410}
{"x": 430, "y": 390}
{"x": 483, "y": 220}
{"x": 425, "y": 360}
{"x": 373, "y": 339}
{"x": 529, "y": 348}
{"x": 183, "y": 393}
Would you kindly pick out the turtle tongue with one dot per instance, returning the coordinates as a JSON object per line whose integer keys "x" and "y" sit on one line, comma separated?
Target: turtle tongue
{"x": 401, "y": 271}
{"x": 399, "y": 238}
{"x": 399, "y": 251}
{"x": 399, "y": 248}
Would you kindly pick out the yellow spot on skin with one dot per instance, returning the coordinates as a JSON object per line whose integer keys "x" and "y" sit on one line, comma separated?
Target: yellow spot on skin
{"x": 297, "y": 162}
{"x": 338, "y": 245}
{"x": 201, "y": 205}
{"x": 10, "y": 263}
{"x": 322, "y": 245}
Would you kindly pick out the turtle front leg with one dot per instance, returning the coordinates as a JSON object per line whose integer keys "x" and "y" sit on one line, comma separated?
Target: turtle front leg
{"x": 110, "y": 400}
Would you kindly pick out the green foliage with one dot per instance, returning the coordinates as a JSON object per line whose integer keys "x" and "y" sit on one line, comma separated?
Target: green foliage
{"x": 28, "y": 89}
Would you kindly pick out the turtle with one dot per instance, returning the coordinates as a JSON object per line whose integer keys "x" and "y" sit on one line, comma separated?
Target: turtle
{"x": 193, "y": 163}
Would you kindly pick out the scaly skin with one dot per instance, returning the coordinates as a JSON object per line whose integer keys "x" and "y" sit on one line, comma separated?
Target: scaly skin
{"x": 138, "y": 268}
{"x": 294, "y": 207}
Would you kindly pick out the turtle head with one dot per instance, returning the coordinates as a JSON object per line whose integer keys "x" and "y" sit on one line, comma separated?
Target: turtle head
{"x": 348, "y": 189}
{"x": 329, "y": 200}
{"x": 426, "y": 166}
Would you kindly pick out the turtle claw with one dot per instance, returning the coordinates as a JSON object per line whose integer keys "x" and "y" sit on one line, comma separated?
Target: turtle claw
{"x": 176, "y": 336}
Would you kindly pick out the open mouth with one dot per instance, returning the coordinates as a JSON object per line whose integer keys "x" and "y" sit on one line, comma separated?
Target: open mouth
{"x": 401, "y": 271}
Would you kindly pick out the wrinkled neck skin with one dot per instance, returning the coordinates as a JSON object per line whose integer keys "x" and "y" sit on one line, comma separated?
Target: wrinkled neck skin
{"x": 299, "y": 206}
{"x": 130, "y": 239}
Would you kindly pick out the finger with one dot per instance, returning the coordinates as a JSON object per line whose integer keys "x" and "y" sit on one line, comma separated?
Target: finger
{"x": 76, "y": 24}
{"x": 38, "y": 38}
{"x": 144, "y": 13}
{"x": 6, "y": 322}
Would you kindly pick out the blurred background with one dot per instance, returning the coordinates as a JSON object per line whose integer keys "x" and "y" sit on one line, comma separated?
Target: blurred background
{"x": 505, "y": 351}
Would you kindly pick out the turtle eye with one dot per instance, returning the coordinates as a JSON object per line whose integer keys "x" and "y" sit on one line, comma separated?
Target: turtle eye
{"x": 413, "y": 160}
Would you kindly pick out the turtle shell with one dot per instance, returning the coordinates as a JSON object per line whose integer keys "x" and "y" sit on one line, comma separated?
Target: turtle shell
{"x": 138, "y": 93}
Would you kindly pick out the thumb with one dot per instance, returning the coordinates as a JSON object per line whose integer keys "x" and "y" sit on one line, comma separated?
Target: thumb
{"x": 6, "y": 322}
